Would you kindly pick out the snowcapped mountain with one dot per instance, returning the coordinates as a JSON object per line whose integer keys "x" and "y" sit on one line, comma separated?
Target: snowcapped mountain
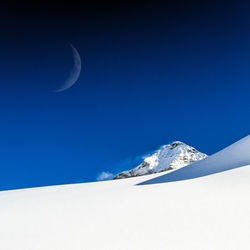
{"x": 168, "y": 157}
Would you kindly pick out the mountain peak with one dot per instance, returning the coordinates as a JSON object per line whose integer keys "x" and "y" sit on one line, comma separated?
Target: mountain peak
{"x": 168, "y": 157}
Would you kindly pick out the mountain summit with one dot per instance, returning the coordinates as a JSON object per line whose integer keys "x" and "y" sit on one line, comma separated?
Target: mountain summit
{"x": 168, "y": 157}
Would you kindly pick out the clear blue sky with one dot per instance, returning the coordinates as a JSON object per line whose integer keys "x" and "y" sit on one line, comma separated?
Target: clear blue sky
{"x": 152, "y": 73}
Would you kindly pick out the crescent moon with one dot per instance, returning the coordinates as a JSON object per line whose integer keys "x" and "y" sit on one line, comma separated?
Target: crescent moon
{"x": 75, "y": 72}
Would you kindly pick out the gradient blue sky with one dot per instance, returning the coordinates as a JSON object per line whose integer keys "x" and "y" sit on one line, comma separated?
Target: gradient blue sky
{"x": 153, "y": 72}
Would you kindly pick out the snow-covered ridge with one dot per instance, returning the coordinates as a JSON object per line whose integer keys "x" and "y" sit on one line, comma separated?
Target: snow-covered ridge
{"x": 168, "y": 157}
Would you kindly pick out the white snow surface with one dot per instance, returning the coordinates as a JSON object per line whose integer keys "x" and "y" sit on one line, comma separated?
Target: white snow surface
{"x": 172, "y": 156}
{"x": 210, "y": 212}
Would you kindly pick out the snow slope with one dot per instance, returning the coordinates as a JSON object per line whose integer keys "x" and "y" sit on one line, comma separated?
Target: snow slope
{"x": 236, "y": 155}
{"x": 211, "y": 212}
{"x": 172, "y": 156}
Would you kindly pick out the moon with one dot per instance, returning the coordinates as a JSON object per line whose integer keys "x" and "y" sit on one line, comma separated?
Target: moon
{"x": 75, "y": 71}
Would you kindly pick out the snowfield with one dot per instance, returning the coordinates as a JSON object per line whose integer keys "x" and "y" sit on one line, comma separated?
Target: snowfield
{"x": 206, "y": 213}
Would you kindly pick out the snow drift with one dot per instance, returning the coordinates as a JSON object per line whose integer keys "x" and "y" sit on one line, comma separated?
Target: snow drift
{"x": 234, "y": 156}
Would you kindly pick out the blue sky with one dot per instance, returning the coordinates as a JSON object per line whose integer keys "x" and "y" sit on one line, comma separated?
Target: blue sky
{"x": 151, "y": 74}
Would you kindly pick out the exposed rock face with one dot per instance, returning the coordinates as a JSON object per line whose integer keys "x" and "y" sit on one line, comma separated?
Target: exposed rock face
{"x": 171, "y": 156}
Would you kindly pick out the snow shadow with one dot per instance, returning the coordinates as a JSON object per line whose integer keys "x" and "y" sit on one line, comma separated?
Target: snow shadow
{"x": 189, "y": 172}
